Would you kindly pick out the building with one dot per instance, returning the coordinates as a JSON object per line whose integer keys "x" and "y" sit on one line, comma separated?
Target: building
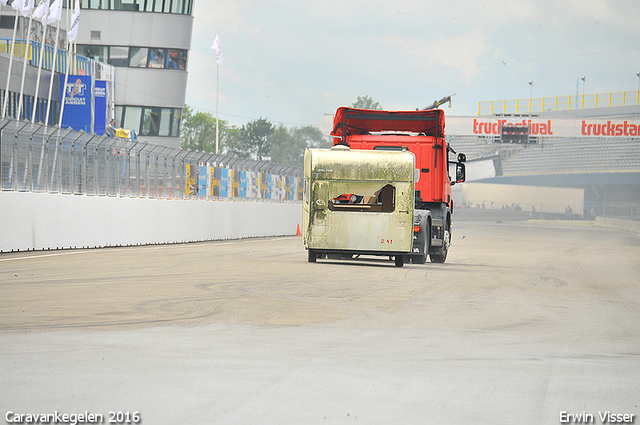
{"x": 148, "y": 43}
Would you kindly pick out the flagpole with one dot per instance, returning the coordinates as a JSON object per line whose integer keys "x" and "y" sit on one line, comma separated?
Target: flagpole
{"x": 64, "y": 87}
{"x": 42, "y": 47}
{"x": 13, "y": 48}
{"x": 217, "y": 119}
{"x": 216, "y": 46}
{"x": 24, "y": 66}
{"x": 54, "y": 66}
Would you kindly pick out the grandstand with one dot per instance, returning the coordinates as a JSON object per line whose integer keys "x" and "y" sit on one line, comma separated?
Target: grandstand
{"x": 606, "y": 167}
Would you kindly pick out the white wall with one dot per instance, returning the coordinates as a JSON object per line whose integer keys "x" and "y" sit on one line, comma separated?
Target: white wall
{"x": 38, "y": 221}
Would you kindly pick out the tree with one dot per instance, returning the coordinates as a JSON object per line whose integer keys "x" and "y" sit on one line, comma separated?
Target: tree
{"x": 366, "y": 102}
{"x": 198, "y": 131}
{"x": 252, "y": 140}
{"x": 288, "y": 145}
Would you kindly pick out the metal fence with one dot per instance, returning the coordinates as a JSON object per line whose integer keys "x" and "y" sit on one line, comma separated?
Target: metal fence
{"x": 35, "y": 158}
{"x": 559, "y": 103}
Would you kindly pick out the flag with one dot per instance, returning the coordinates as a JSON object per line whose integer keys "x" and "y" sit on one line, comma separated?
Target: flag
{"x": 4, "y": 2}
{"x": 23, "y": 6}
{"x": 55, "y": 12}
{"x": 75, "y": 20}
{"x": 41, "y": 10}
{"x": 216, "y": 46}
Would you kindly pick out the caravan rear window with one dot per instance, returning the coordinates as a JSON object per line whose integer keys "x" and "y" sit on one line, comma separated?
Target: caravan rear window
{"x": 362, "y": 197}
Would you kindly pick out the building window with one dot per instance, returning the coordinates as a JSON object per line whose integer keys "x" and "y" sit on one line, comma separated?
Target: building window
{"x": 177, "y": 59}
{"x": 165, "y": 122}
{"x": 97, "y": 53}
{"x": 7, "y": 21}
{"x": 156, "y": 58}
{"x": 182, "y": 7}
{"x": 175, "y": 122}
{"x": 138, "y": 57}
{"x": 131, "y": 118}
{"x": 151, "y": 122}
{"x": 119, "y": 56}
{"x": 148, "y": 121}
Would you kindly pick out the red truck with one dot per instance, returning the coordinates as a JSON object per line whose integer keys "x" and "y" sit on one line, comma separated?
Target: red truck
{"x": 422, "y": 133}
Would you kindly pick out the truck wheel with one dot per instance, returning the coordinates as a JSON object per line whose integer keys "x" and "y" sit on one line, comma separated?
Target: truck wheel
{"x": 399, "y": 259}
{"x": 441, "y": 255}
{"x": 312, "y": 256}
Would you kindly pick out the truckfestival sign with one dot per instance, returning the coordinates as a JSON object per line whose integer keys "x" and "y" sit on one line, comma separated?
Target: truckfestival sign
{"x": 541, "y": 127}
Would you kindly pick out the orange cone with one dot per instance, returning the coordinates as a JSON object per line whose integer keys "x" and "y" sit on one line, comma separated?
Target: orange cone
{"x": 298, "y": 231}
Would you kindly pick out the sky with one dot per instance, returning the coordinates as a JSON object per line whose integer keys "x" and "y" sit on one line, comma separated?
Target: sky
{"x": 292, "y": 62}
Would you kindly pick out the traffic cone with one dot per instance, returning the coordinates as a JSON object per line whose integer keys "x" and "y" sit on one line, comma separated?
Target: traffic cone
{"x": 298, "y": 231}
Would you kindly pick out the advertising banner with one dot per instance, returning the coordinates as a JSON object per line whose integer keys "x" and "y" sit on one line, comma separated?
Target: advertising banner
{"x": 202, "y": 181}
{"x": 78, "y": 99}
{"x": 101, "y": 110}
{"x": 544, "y": 127}
{"x": 224, "y": 183}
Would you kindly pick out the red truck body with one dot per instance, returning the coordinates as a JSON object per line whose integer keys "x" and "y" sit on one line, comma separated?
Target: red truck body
{"x": 422, "y": 133}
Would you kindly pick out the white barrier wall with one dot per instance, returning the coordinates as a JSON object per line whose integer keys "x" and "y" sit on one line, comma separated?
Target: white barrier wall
{"x": 35, "y": 221}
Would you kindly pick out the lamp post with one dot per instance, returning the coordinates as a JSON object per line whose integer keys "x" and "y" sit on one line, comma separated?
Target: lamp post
{"x": 584, "y": 83}
{"x": 531, "y": 90}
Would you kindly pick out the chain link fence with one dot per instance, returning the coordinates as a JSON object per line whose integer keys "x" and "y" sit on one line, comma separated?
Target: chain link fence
{"x": 35, "y": 158}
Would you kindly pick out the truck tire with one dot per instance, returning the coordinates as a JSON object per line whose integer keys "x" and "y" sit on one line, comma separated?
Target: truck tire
{"x": 311, "y": 256}
{"x": 440, "y": 256}
{"x": 399, "y": 260}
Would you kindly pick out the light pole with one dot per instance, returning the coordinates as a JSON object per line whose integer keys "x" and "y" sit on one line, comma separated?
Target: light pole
{"x": 531, "y": 90}
{"x": 584, "y": 83}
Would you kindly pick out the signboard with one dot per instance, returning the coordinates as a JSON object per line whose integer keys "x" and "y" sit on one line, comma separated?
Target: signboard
{"x": 101, "y": 111}
{"x": 541, "y": 127}
{"x": 78, "y": 98}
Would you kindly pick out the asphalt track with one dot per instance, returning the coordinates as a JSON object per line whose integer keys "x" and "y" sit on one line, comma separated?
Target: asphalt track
{"x": 524, "y": 323}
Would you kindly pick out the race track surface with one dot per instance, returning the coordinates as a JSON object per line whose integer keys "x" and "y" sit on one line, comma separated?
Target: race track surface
{"x": 526, "y": 322}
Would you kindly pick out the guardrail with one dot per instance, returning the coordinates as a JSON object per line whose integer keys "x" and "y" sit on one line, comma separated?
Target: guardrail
{"x": 35, "y": 158}
{"x": 558, "y": 103}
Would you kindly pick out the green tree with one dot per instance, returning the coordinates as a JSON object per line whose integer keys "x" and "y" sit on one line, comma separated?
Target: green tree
{"x": 288, "y": 145}
{"x": 198, "y": 131}
{"x": 253, "y": 140}
{"x": 366, "y": 102}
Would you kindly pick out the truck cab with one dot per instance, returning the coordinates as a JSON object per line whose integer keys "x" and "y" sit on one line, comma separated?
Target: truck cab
{"x": 421, "y": 133}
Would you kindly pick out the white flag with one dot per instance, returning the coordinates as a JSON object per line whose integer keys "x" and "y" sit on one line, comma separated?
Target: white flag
{"x": 75, "y": 20}
{"x": 55, "y": 12}
{"x": 41, "y": 10}
{"x": 4, "y": 2}
{"x": 216, "y": 46}
{"x": 23, "y": 6}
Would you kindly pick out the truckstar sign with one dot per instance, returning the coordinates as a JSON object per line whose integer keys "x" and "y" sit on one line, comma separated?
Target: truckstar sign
{"x": 558, "y": 127}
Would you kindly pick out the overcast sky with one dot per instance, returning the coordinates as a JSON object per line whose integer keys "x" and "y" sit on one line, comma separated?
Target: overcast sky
{"x": 294, "y": 61}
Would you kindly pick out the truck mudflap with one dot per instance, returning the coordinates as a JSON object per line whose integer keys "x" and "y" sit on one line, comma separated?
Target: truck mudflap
{"x": 421, "y": 237}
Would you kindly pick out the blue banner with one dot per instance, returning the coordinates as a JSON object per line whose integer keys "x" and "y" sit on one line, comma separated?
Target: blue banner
{"x": 202, "y": 181}
{"x": 224, "y": 183}
{"x": 100, "y": 101}
{"x": 77, "y": 103}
